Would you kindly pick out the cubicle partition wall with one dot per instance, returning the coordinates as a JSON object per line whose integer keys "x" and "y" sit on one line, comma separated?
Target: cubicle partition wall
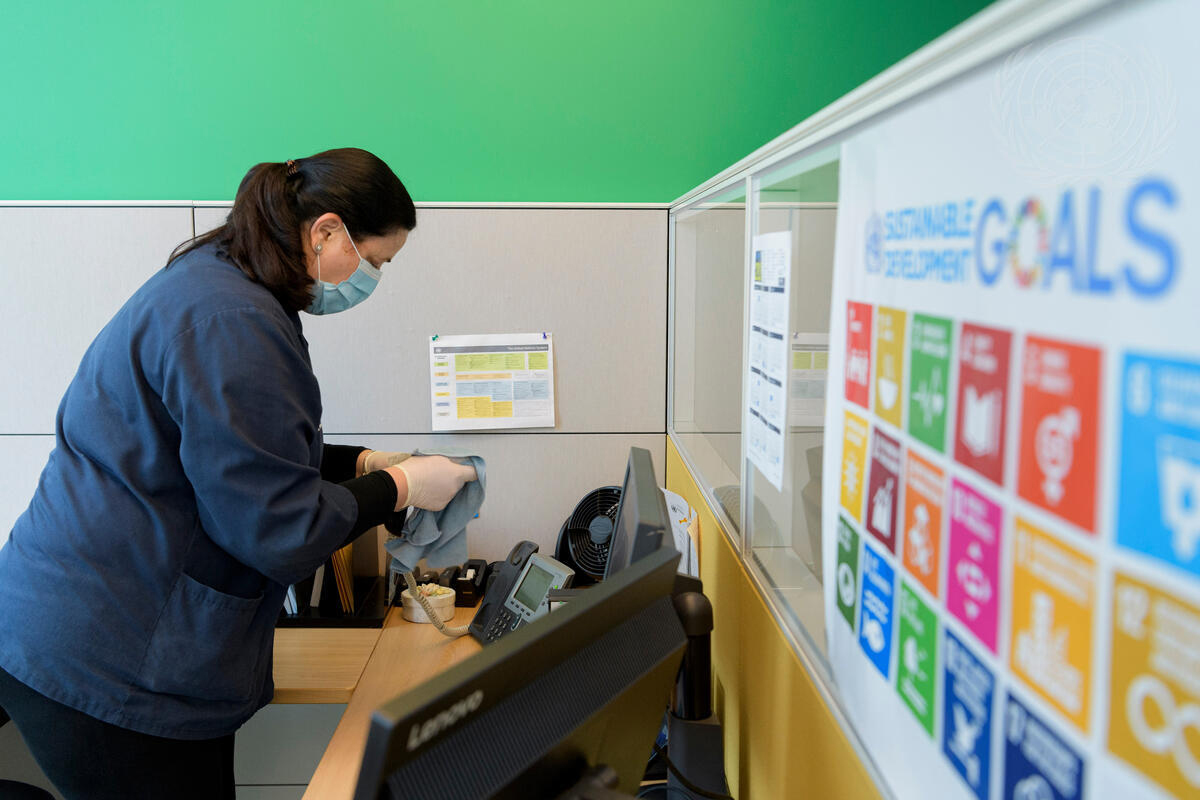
{"x": 593, "y": 277}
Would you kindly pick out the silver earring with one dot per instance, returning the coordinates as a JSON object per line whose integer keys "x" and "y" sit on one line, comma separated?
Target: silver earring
{"x": 319, "y": 248}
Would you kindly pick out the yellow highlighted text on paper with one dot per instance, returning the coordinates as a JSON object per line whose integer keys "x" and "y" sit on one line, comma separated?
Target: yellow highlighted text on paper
{"x": 479, "y": 362}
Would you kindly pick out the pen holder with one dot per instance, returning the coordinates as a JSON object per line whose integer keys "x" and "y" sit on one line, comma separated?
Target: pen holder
{"x": 443, "y": 605}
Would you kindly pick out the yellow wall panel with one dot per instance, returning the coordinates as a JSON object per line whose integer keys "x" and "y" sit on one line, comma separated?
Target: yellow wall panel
{"x": 781, "y": 740}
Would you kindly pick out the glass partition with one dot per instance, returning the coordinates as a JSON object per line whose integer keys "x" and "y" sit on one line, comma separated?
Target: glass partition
{"x": 709, "y": 255}
{"x": 780, "y": 529}
{"x": 783, "y": 527}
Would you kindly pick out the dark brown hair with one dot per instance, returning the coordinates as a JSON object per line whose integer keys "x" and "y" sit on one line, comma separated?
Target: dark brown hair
{"x": 263, "y": 234}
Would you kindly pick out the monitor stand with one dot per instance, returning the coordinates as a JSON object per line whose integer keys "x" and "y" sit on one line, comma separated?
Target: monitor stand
{"x": 694, "y": 741}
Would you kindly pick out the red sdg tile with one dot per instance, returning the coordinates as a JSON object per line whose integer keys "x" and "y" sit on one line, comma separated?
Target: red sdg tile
{"x": 982, "y": 400}
{"x": 1060, "y": 383}
{"x": 858, "y": 353}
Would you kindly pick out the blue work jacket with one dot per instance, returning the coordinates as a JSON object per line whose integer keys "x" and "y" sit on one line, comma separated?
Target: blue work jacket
{"x": 143, "y": 583}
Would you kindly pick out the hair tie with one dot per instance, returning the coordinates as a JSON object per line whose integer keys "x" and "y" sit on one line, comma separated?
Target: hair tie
{"x": 291, "y": 167}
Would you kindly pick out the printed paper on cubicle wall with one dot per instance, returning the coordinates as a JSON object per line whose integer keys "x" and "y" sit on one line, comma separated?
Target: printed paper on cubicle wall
{"x": 491, "y": 381}
{"x": 1013, "y": 420}
{"x": 769, "y": 379}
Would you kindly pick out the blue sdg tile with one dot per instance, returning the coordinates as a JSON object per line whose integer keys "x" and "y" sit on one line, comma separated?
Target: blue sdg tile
{"x": 878, "y": 603}
{"x": 1038, "y": 764}
{"x": 1159, "y": 487}
{"x": 967, "y": 715}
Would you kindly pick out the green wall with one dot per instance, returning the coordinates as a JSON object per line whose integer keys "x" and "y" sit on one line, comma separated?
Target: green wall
{"x": 469, "y": 100}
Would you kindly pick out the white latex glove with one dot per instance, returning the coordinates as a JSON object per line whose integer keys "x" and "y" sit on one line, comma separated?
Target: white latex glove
{"x": 434, "y": 480}
{"x": 380, "y": 459}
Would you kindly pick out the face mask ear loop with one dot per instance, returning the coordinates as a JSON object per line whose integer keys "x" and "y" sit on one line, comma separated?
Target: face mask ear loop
{"x": 352, "y": 244}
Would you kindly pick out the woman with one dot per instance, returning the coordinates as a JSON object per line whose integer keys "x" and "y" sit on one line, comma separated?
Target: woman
{"x": 189, "y": 486}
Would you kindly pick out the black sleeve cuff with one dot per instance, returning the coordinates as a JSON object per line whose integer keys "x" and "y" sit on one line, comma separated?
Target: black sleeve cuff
{"x": 376, "y": 496}
{"x": 339, "y": 462}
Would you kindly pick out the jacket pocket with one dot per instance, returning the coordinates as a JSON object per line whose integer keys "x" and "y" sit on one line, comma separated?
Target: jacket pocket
{"x": 206, "y": 645}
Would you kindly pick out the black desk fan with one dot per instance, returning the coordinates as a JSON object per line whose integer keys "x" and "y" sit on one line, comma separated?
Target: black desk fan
{"x": 694, "y": 741}
{"x": 585, "y": 538}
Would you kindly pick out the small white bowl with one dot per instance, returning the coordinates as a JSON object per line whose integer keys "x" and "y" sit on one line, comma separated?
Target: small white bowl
{"x": 413, "y": 611}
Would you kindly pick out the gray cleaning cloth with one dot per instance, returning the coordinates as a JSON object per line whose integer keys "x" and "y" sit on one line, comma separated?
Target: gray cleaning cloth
{"x": 440, "y": 537}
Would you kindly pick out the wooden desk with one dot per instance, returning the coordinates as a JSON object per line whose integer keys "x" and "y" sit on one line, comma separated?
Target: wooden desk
{"x": 405, "y": 655}
{"x": 320, "y": 665}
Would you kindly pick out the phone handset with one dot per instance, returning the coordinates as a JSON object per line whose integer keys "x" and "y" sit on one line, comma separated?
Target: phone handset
{"x": 518, "y": 593}
{"x": 499, "y": 587}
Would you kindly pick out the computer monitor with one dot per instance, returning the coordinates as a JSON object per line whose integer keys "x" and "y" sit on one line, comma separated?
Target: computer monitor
{"x": 527, "y": 716}
{"x": 641, "y": 520}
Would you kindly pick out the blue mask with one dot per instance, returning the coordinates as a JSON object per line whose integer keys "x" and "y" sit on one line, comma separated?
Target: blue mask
{"x": 330, "y": 298}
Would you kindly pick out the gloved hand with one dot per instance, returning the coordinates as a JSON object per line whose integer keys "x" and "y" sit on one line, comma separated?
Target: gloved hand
{"x": 379, "y": 459}
{"x": 433, "y": 480}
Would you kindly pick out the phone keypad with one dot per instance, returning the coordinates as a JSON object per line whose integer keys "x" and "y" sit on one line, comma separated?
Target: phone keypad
{"x": 503, "y": 622}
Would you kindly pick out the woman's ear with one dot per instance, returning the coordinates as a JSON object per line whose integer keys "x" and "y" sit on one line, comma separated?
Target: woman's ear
{"x": 322, "y": 228}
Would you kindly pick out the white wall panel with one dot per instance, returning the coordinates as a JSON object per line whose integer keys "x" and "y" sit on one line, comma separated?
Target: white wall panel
{"x": 533, "y": 480}
{"x": 209, "y": 217}
{"x": 21, "y": 462}
{"x": 66, "y": 272}
{"x": 595, "y": 278}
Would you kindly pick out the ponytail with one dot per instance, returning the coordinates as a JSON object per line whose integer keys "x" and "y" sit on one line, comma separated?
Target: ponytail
{"x": 264, "y": 232}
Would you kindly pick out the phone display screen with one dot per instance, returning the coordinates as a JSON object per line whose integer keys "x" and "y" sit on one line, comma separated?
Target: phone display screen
{"x": 533, "y": 589}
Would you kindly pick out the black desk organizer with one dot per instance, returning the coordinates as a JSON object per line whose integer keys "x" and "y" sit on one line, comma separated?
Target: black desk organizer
{"x": 370, "y": 604}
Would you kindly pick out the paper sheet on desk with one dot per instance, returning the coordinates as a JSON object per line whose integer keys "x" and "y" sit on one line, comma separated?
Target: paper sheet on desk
{"x": 685, "y": 526}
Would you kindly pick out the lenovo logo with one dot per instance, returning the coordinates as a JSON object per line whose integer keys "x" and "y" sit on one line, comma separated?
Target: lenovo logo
{"x": 422, "y": 733}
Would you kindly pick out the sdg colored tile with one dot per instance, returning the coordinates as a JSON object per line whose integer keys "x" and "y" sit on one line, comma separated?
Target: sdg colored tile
{"x": 982, "y": 400}
{"x": 1060, "y": 407}
{"x": 1038, "y": 763}
{"x": 847, "y": 570}
{"x": 973, "y": 568}
{"x": 1159, "y": 488}
{"x": 1155, "y": 690}
{"x": 889, "y": 365}
{"x": 854, "y": 463}
{"x": 967, "y": 715}
{"x": 878, "y": 598}
{"x": 858, "y": 353}
{"x": 1052, "y": 595}
{"x": 929, "y": 379}
{"x": 924, "y": 498}
{"x": 916, "y": 662}
{"x": 883, "y": 489}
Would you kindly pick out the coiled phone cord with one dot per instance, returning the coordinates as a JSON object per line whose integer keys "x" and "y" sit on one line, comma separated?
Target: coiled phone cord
{"x": 448, "y": 630}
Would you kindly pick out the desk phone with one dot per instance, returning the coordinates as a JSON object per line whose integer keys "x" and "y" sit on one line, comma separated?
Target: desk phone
{"x": 517, "y": 596}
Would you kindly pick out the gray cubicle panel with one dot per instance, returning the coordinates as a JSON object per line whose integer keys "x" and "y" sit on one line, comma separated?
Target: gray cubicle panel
{"x": 66, "y": 272}
{"x": 594, "y": 278}
{"x": 533, "y": 481}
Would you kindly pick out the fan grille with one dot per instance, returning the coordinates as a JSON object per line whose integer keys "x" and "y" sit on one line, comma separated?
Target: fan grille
{"x": 599, "y": 506}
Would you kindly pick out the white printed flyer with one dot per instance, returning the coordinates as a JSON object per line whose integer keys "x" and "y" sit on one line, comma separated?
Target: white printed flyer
{"x": 487, "y": 381}
{"x": 809, "y": 371}
{"x": 768, "y": 379}
{"x": 1013, "y": 423}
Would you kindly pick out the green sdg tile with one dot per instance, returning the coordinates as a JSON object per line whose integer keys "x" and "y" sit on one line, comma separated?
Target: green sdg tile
{"x": 847, "y": 570}
{"x": 917, "y": 656}
{"x": 539, "y": 360}
{"x": 929, "y": 378}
